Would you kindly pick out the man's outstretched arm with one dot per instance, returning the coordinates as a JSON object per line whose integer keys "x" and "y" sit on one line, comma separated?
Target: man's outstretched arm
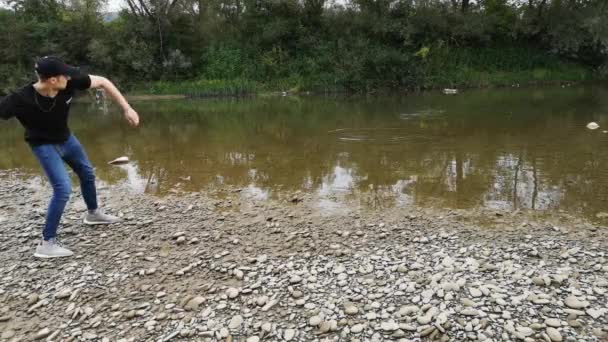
{"x": 110, "y": 88}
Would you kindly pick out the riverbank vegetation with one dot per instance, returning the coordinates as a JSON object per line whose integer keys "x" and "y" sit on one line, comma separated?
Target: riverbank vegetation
{"x": 215, "y": 47}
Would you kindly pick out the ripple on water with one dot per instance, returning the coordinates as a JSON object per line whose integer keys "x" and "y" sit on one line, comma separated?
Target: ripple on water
{"x": 381, "y": 135}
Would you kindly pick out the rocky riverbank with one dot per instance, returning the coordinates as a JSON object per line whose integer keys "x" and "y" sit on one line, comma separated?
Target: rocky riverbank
{"x": 201, "y": 266}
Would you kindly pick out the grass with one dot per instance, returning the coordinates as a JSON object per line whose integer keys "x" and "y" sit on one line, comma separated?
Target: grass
{"x": 441, "y": 67}
{"x": 198, "y": 88}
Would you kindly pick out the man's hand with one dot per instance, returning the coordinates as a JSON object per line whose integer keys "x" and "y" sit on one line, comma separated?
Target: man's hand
{"x": 132, "y": 117}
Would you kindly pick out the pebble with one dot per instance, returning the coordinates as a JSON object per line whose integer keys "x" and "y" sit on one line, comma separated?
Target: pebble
{"x": 194, "y": 303}
{"x": 232, "y": 293}
{"x": 554, "y": 334}
{"x": 260, "y": 301}
{"x": 32, "y": 299}
{"x": 475, "y": 292}
{"x": 235, "y": 322}
{"x": 289, "y": 334}
{"x": 596, "y": 313}
{"x": 65, "y": 293}
{"x": 389, "y": 326}
{"x": 42, "y": 334}
{"x": 357, "y": 328}
{"x": 575, "y": 303}
{"x": 270, "y": 304}
{"x": 315, "y": 321}
{"x": 468, "y": 302}
{"x": 525, "y": 331}
{"x": 553, "y": 322}
{"x": 350, "y": 309}
{"x": 469, "y": 312}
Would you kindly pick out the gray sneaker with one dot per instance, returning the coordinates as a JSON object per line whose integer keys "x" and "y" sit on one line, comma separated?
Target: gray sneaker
{"x": 51, "y": 249}
{"x": 99, "y": 217}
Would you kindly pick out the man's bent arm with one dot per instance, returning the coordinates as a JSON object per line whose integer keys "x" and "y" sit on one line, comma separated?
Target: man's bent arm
{"x": 102, "y": 82}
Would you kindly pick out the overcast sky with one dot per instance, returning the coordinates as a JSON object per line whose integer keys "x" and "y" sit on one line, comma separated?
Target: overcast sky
{"x": 114, "y": 5}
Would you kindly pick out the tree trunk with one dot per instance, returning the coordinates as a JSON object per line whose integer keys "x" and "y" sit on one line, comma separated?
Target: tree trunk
{"x": 465, "y": 5}
{"x": 540, "y": 8}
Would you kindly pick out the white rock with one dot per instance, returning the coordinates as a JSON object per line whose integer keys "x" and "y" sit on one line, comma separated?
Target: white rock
{"x": 339, "y": 269}
{"x": 596, "y": 313}
{"x": 232, "y": 293}
{"x": 269, "y": 305}
{"x": 194, "y": 303}
{"x": 350, "y": 309}
{"x": 235, "y": 322}
{"x": 575, "y": 303}
{"x": 409, "y": 309}
{"x": 315, "y": 320}
{"x": 389, "y": 326}
{"x": 554, "y": 334}
{"x": 289, "y": 334}
{"x": 366, "y": 269}
{"x": 469, "y": 312}
{"x": 65, "y": 293}
{"x": 525, "y": 331}
{"x": 357, "y": 328}
{"x": 119, "y": 160}
{"x": 262, "y": 258}
{"x": 593, "y": 125}
{"x": 553, "y": 322}
{"x": 475, "y": 292}
{"x": 42, "y": 334}
{"x": 261, "y": 300}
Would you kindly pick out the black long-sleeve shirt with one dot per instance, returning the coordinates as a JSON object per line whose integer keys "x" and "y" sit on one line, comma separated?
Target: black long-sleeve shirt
{"x": 45, "y": 119}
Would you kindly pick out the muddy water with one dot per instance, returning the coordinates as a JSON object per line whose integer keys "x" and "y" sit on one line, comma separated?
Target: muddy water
{"x": 507, "y": 149}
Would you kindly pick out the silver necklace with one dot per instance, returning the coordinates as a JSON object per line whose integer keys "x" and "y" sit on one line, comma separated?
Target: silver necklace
{"x": 38, "y": 104}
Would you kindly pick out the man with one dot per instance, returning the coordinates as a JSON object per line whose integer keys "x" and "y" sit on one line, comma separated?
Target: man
{"x": 42, "y": 108}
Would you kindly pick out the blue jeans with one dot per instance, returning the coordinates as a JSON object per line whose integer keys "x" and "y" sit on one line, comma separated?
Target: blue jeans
{"x": 51, "y": 158}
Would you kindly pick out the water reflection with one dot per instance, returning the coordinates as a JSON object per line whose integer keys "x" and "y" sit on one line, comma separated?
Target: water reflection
{"x": 508, "y": 149}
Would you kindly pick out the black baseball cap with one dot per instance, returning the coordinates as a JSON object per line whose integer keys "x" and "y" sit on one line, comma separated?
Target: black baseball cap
{"x": 50, "y": 66}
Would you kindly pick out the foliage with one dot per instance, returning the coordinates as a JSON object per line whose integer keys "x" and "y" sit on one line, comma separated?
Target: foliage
{"x": 357, "y": 45}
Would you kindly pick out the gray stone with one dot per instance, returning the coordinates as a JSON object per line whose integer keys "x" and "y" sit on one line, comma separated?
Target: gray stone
{"x": 235, "y": 322}
{"x": 350, "y": 309}
{"x": 232, "y": 293}
{"x": 42, "y": 334}
{"x": 289, "y": 334}
{"x": 357, "y": 328}
{"x": 194, "y": 303}
{"x": 65, "y": 293}
{"x": 475, "y": 292}
{"x": 315, "y": 321}
{"x": 553, "y": 322}
{"x": 575, "y": 303}
{"x": 389, "y": 326}
{"x": 554, "y": 334}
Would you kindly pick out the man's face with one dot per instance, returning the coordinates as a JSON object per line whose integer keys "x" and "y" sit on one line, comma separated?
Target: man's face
{"x": 59, "y": 82}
